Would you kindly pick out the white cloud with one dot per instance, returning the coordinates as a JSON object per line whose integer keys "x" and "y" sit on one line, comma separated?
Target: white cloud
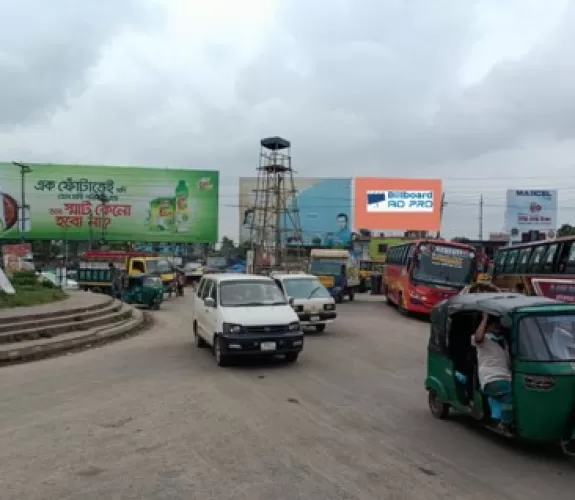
{"x": 481, "y": 90}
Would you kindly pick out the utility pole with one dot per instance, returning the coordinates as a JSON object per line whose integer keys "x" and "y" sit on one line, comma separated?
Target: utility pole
{"x": 103, "y": 199}
{"x": 91, "y": 228}
{"x": 441, "y": 209}
{"x": 480, "y": 217}
{"x": 24, "y": 169}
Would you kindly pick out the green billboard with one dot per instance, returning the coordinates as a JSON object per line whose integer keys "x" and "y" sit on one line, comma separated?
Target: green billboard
{"x": 79, "y": 202}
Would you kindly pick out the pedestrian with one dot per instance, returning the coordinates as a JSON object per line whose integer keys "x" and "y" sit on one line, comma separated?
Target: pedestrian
{"x": 115, "y": 278}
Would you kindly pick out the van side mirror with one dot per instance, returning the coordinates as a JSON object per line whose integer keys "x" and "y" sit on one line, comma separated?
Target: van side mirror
{"x": 209, "y": 302}
{"x": 291, "y": 301}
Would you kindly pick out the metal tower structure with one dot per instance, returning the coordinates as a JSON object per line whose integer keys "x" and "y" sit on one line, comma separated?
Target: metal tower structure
{"x": 276, "y": 231}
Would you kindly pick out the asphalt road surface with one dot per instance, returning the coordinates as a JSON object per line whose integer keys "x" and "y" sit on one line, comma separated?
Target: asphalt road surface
{"x": 152, "y": 418}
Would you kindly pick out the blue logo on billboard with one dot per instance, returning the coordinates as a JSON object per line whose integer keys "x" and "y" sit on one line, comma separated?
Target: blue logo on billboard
{"x": 400, "y": 201}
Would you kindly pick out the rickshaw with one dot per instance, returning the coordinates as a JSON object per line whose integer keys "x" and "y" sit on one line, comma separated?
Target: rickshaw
{"x": 541, "y": 335}
{"x": 143, "y": 289}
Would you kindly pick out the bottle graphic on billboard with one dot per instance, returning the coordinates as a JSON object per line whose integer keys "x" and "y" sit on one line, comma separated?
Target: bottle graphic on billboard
{"x": 182, "y": 207}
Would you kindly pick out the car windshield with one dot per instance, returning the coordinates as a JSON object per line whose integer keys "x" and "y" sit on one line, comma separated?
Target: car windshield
{"x": 305, "y": 288}
{"x": 444, "y": 265}
{"x": 250, "y": 293}
{"x": 547, "y": 338}
{"x": 325, "y": 267}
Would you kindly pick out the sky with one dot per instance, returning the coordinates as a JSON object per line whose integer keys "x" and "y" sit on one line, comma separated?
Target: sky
{"x": 477, "y": 93}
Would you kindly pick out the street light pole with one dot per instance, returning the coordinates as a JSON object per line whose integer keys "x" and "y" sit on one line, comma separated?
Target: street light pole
{"x": 24, "y": 169}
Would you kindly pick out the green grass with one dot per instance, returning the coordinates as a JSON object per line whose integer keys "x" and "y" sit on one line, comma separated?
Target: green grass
{"x": 30, "y": 292}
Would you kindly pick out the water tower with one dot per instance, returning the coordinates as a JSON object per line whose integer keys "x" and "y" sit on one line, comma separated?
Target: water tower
{"x": 276, "y": 231}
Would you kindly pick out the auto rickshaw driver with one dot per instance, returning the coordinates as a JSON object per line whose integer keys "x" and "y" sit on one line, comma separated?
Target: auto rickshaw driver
{"x": 494, "y": 369}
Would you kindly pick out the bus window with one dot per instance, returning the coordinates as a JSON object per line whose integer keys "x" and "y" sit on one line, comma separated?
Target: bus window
{"x": 548, "y": 265}
{"x": 570, "y": 264}
{"x": 390, "y": 256}
{"x": 510, "y": 261}
{"x": 404, "y": 254}
{"x": 536, "y": 259}
{"x": 500, "y": 261}
{"x": 523, "y": 260}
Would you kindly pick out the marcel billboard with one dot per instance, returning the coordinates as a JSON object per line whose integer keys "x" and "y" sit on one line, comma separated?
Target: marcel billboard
{"x": 78, "y": 202}
{"x": 397, "y": 204}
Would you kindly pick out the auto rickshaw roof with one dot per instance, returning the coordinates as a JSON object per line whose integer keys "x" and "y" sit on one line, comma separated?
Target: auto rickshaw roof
{"x": 499, "y": 303}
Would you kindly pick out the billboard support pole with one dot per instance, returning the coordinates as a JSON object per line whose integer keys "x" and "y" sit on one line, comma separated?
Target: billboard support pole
{"x": 24, "y": 169}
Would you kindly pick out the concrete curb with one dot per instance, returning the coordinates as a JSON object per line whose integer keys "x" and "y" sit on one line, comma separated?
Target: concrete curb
{"x": 140, "y": 322}
{"x": 20, "y": 315}
{"x": 110, "y": 315}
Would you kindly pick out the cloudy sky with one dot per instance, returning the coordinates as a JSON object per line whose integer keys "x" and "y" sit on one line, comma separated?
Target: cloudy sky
{"x": 479, "y": 93}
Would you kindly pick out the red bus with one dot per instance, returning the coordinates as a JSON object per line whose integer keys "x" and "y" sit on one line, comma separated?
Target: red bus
{"x": 421, "y": 273}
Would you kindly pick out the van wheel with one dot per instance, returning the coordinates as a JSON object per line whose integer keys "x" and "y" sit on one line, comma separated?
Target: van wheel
{"x": 339, "y": 299}
{"x": 438, "y": 408}
{"x": 221, "y": 358}
{"x": 351, "y": 295}
{"x": 291, "y": 357}
{"x": 319, "y": 328}
{"x": 199, "y": 341}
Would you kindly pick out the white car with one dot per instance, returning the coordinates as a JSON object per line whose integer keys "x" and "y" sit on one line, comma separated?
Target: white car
{"x": 245, "y": 315}
{"x": 311, "y": 301}
{"x": 61, "y": 281}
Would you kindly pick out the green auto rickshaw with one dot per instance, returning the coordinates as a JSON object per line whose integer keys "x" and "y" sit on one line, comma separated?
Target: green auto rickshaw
{"x": 541, "y": 340}
{"x": 144, "y": 290}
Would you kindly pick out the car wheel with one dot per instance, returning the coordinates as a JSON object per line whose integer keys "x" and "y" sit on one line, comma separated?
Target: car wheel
{"x": 199, "y": 341}
{"x": 291, "y": 357}
{"x": 438, "y": 408}
{"x": 221, "y": 358}
{"x": 351, "y": 296}
{"x": 319, "y": 328}
{"x": 339, "y": 299}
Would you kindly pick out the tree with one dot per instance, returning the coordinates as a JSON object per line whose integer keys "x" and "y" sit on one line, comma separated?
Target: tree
{"x": 566, "y": 230}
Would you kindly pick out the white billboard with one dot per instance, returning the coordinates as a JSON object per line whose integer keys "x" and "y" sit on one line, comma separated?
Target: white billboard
{"x": 531, "y": 210}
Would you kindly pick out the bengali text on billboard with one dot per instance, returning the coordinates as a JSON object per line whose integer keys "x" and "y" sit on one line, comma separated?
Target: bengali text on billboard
{"x": 78, "y": 202}
{"x": 397, "y": 204}
{"x": 324, "y": 207}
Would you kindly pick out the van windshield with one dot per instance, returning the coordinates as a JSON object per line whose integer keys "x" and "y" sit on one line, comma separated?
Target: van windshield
{"x": 305, "y": 288}
{"x": 547, "y": 338}
{"x": 250, "y": 293}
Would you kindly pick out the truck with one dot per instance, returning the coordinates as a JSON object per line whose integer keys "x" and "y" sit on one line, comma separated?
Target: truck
{"x": 337, "y": 271}
{"x": 94, "y": 269}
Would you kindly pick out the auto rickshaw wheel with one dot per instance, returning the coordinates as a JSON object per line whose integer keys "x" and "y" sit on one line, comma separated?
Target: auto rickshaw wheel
{"x": 221, "y": 358}
{"x": 438, "y": 408}
{"x": 568, "y": 447}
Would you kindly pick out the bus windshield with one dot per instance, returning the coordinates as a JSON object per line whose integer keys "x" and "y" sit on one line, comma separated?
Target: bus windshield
{"x": 444, "y": 265}
{"x": 325, "y": 267}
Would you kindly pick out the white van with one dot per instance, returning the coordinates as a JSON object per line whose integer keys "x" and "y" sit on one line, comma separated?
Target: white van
{"x": 311, "y": 301}
{"x": 245, "y": 315}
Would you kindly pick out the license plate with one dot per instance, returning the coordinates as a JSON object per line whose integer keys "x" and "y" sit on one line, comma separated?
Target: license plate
{"x": 268, "y": 346}
{"x": 314, "y": 318}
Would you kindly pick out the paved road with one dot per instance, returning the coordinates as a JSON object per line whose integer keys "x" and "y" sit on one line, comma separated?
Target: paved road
{"x": 153, "y": 418}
